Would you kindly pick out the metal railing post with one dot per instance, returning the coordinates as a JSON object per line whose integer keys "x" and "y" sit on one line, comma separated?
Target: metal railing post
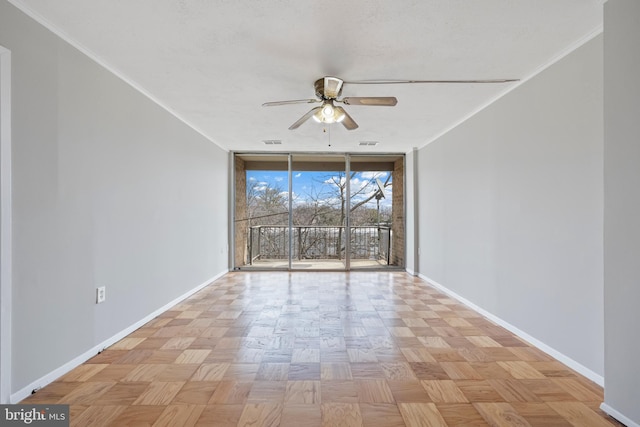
{"x": 250, "y": 245}
{"x": 389, "y": 248}
{"x": 259, "y": 241}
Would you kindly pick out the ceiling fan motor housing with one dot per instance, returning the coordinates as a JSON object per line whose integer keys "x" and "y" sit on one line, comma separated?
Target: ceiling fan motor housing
{"x": 328, "y": 87}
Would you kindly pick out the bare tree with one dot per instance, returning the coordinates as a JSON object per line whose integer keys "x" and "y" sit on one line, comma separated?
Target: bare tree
{"x": 319, "y": 216}
{"x": 368, "y": 188}
{"x": 266, "y": 203}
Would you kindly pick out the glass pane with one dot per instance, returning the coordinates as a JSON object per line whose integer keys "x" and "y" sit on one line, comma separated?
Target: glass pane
{"x": 262, "y": 212}
{"x": 371, "y": 215}
{"x": 319, "y": 212}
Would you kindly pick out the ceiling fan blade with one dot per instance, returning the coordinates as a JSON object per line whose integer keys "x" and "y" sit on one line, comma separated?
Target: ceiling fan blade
{"x": 295, "y": 101}
{"x": 347, "y": 121}
{"x": 304, "y": 118}
{"x": 388, "y": 101}
{"x": 392, "y": 82}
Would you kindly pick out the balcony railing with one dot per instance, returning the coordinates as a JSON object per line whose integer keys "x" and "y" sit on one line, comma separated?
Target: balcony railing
{"x": 271, "y": 242}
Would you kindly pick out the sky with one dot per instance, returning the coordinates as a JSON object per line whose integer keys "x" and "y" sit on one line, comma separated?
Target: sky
{"x": 307, "y": 185}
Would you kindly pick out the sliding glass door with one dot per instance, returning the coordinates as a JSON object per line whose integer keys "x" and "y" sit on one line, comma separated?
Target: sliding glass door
{"x": 371, "y": 196}
{"x": 261, "y": 217}
{"x": 318, "y": 212}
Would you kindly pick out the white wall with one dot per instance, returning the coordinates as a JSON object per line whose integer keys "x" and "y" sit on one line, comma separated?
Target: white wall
{"x": 108, "y": 190}
{"x": 622, "y": 209}
{"x": 511, "y": 209}
{"x": 5, "y": 224}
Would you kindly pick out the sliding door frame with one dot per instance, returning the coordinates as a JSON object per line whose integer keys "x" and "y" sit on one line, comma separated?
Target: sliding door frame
{"x": 290, "y": 215}
{"x": 290, "y": 160}
{"x": 347, "y": 208}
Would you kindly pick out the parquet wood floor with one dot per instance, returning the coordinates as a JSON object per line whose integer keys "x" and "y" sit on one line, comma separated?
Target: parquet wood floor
{"x": 324, "y": 349}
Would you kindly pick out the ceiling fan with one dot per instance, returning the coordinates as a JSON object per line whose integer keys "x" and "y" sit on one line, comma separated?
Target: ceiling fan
{"x": 328, "y": 90}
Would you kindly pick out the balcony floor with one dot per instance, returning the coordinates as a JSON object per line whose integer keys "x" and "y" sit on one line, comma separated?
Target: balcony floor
{"x": 317, "y": 264}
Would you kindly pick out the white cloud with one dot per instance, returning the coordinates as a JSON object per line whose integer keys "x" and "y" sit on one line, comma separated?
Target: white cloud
{"x": 334, "y": 179}
{"x": 298, "y": 175}
{"x": 329, "y": 201}
{"x": 363, "y": 196}
{"x": 372, "y": 174}
{"x": 297, "y": 200}
{"x": 252, "y": 178}
{"x": 279, "y": 179}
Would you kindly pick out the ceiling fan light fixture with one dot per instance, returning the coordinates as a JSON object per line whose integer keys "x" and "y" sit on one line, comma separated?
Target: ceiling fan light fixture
{"x": 321, "y": 118}
{"x": 328, "y": 111}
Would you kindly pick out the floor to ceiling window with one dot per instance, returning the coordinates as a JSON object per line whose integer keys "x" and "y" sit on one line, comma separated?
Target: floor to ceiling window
{"x": 318, "y": 211}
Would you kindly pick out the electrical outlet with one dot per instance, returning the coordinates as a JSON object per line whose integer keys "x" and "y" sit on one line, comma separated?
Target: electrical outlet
{"x": 101, "y": 294}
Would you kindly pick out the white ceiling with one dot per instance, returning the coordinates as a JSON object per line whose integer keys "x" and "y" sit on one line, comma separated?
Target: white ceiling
{"x": 214, "y": 62}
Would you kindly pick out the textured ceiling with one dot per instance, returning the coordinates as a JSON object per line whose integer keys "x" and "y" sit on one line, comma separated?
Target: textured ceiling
{"x": 213, "y": 62}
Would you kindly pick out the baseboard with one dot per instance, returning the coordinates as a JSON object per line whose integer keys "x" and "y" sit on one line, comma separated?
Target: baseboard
{"x": 618, "y": 416}
{"x": 581, "y": 369}
{"x": 410, "y": 271}
{"x": 80, "y": 359}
